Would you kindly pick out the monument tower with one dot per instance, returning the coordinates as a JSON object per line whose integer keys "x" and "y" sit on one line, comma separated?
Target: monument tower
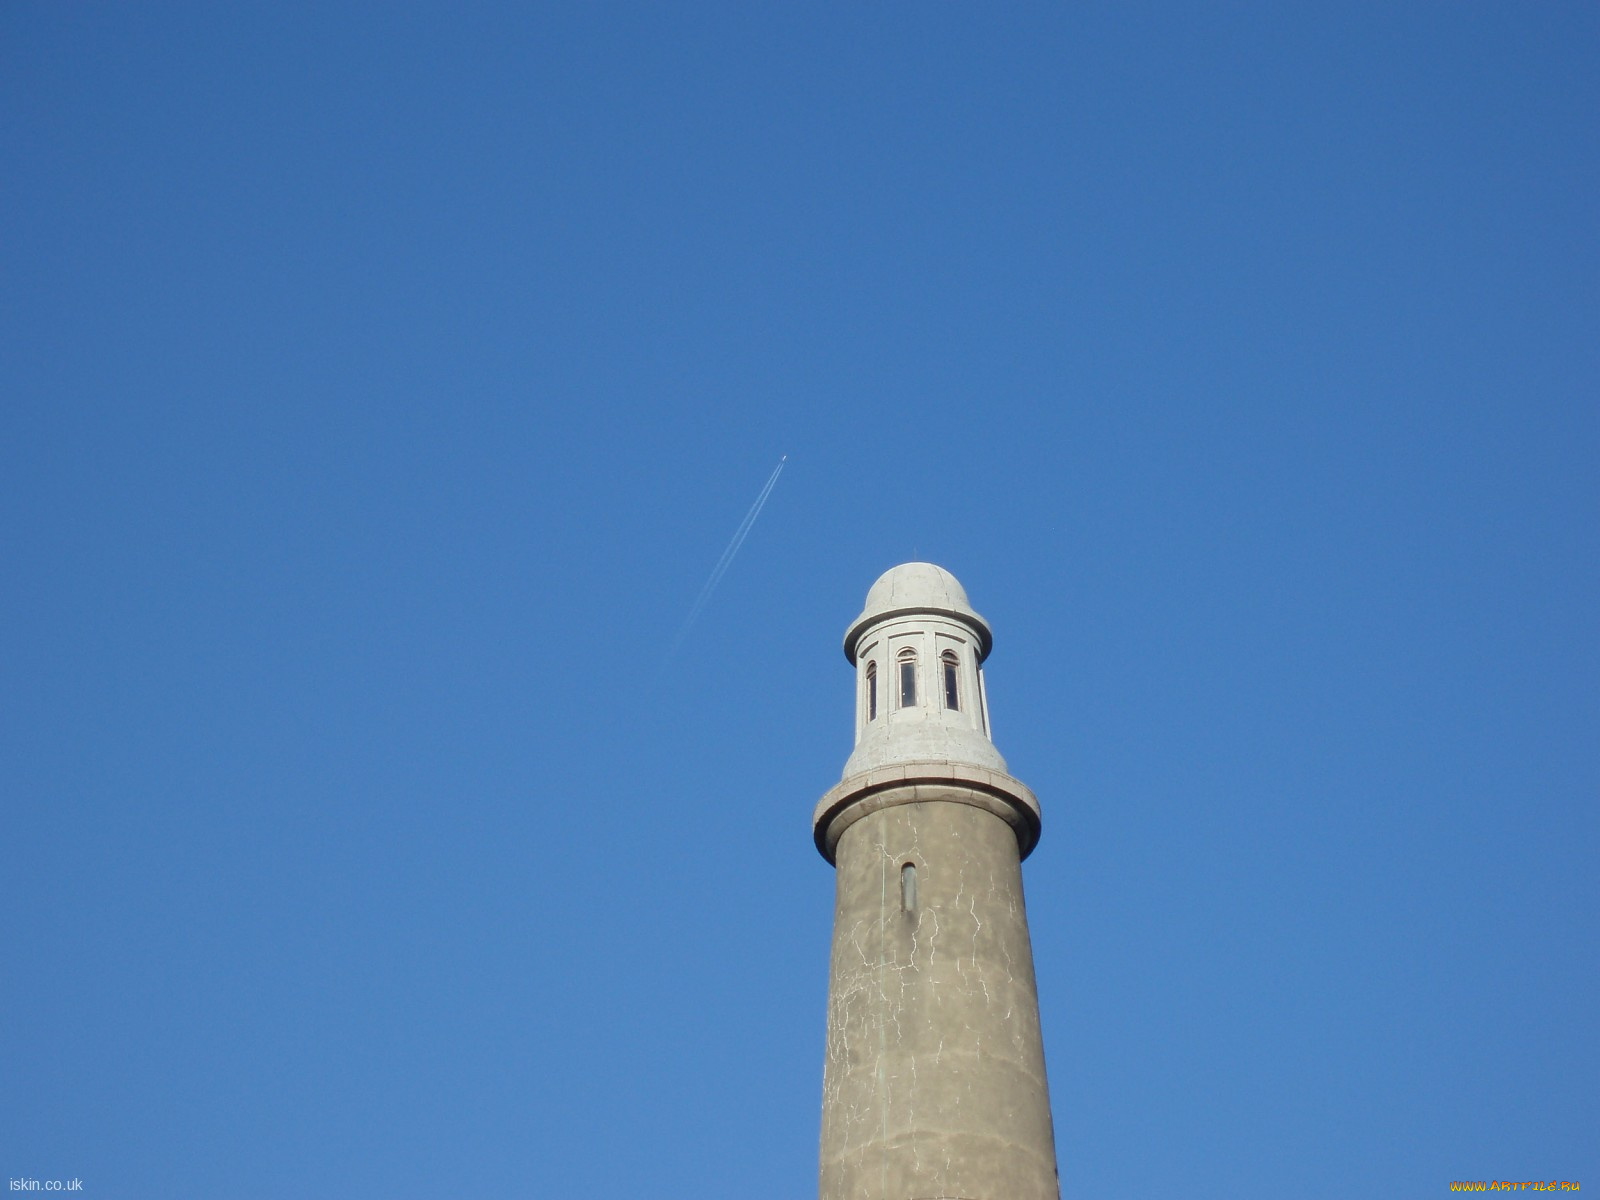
{"x": 934, "y": 1083}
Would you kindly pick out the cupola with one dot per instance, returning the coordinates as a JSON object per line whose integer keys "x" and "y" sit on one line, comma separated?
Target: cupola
{"x": 918, "y": 649}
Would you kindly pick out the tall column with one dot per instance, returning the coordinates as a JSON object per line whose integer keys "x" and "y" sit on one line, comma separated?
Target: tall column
{"x": 934, "y": 1082}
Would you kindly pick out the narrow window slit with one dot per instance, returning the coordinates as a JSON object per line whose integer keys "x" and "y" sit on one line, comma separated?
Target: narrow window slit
{"x": 872, "y": 691}
{"x": 908, "y": 888}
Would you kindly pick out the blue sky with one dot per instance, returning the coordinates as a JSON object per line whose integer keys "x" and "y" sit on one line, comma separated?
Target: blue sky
{"x": 382, "y": 382}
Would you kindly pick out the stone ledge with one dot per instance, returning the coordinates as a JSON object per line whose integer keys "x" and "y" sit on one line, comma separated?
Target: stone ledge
{"x": 919, "y": 782}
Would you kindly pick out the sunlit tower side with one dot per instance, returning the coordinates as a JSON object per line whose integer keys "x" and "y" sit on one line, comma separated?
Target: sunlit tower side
{"x": 934, "y": 1079}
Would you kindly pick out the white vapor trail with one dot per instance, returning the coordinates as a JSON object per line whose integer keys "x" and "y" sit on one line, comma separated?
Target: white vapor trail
{"x": 723, "y": 563}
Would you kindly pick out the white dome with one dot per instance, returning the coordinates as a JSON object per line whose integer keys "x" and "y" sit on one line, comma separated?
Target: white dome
{"x": 917, "y": 587}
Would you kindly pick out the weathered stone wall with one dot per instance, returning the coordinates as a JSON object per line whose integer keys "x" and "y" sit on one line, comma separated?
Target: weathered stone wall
{"x": 934, "y": 1083}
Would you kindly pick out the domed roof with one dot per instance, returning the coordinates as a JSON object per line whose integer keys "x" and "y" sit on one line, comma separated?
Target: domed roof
{"x": 917, "y": 587}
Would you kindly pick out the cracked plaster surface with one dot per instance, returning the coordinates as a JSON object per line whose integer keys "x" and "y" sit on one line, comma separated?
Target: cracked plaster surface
{"x": 934, "y": 1081}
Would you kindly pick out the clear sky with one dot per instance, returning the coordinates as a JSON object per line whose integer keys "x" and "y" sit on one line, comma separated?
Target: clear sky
{"x": 381, "y": 382}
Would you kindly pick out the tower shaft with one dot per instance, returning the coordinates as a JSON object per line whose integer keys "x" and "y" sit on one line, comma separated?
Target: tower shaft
{"x": 934, "y": 1082}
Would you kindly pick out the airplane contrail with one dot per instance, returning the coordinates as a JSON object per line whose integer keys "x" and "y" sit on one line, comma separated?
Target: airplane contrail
{"x": 723, "y": 563}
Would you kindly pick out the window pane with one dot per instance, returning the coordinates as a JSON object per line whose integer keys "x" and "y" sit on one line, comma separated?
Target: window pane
{"x": 908, "y": 683}
{"x": 908, "y": 888}
{"x": 872, "y": 691}
{"x": 951, "y": 700}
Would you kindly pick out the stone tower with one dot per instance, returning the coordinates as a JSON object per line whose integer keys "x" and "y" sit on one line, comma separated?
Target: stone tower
{"x": 934, "y": 1083}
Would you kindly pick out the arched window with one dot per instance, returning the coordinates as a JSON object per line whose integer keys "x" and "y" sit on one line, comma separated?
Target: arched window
{"x": 952, "y": 695}
{"x": 872, "y": 691}
{"x": 907, "y": 660}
